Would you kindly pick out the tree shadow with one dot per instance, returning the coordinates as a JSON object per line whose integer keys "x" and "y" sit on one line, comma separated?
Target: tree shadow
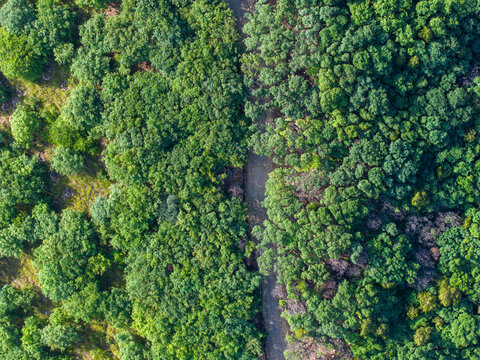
{"x": 9, "y": 269}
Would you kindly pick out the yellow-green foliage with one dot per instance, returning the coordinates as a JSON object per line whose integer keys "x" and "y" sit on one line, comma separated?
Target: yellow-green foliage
{"x": 428, "y": 301}
{"x": 412, "y": 312}
{"x": 86, "y": 188}
{"x": 447, "y": 294}
{"x": 27, "y": 273}
{"x": 49, "y": 92}
{"x": 300, "y": 333}
{"x": 420, "y": 200}
{"x": 422, "y": 335}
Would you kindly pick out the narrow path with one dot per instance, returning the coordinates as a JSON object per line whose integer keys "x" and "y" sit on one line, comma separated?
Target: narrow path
{"x": 256, "y": 175}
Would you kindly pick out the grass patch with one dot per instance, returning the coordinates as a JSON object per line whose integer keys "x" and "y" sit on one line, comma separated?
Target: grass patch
{"x": 98, "y": 342}
{"x": 26, "y": 275}
{"x": 49, "y": 92}
{"x": 84, "y": 189}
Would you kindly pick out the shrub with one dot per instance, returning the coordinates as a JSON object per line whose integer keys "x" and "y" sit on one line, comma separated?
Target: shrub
{"x": 25, "y": 123}
{"x": 67, "y": 161}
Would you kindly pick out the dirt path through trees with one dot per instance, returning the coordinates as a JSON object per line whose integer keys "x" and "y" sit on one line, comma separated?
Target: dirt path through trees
{"x": 256, "y": 175}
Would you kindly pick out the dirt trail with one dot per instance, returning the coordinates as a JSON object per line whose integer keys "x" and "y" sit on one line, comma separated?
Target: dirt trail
{"x": 256, "y": 175}
{"x": 257, "y": 170}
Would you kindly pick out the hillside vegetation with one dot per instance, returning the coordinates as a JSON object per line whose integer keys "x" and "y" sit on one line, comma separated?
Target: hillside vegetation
{"x": 119, "y": 236}
{"x": 374, "y": 207}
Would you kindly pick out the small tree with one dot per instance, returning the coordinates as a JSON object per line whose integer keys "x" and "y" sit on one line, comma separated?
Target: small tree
{"x": 59, "y": 337}
{"x": 90, "y": 3}
{"x": 64, "y": 53}
{"x": 25, "y": 123}
{"x": 67, "y": 161}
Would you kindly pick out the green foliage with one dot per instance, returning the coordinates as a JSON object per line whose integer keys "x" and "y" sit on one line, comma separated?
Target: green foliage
{"x": 32, "y": 337}
{"x": 83, "y": 109}
{"x": 59, "y": 337}
{"x": 64, "y": 53}
{"x": 21, "y": 184}
{"x": 17, "y": 16}
{"x": 63, "y": 257}
{"x": 18, "y": 57}
{"x": 67, "y": 161}
{"x": 25, "y": 124}
{"x": 90, "y": 3}
{"x": 117, "y": 308}
{"x": 159, "y": 99}
{"x": 372, "y": 116}
{"x": 54, "y": 26}
{"x": 130, "y": 349}
{"x": 77, "y": 125}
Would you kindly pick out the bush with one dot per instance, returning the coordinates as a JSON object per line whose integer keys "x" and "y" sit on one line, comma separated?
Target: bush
{"x": 67, "y": 161}
{"x": 59, "y": 337}
{"x": 25, "y": 123}
{"x": 90, "y": 3}
{"x": 18, "y": 57}
{"x": 64, "y": 53}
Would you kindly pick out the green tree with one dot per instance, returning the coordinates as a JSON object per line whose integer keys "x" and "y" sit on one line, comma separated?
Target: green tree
{"x": 54, "y": 25}
{"x": 464, "y": 330}
{"x": 67, "y": 161}
{"x": 83, "y": 110}
{"x": 59, "y": 337}
{"x": 63, "y": 258}
{"x": 25, "y": 124}
{"x": 17, "y": 16}
{"x": 18, "y": 57}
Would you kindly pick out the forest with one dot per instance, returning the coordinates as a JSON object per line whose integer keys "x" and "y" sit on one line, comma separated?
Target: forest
{"x": 373, "y": 206}
{"x": 119, "y": 237}
{"x": 124, "y": 230}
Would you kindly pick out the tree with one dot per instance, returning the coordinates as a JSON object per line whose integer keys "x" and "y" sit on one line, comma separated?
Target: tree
{"x": 131, "y": 349}
{"x": 85, "y": 304}
{"x": 422, "y": 335}
{"x": 83, "y": 110}
{"x": 59, "y": 337}
{"x": 25, "y": 123}
{"x": 464, "y": 330}
{"x": 54, "y": 26}
{"x": 64, "y": 53}
{"x": 63, "y": 257}
{"x": 67, "y": 161}
{"x": 90, "y": 3}
{"x": 15, "y": 237}
{"x": 32, "y": 337}
{"x": 22, "y": 185}
{"x": 17, "y": 16}
{"x": 18, "y": 57}
{"x": 117, "y": 308}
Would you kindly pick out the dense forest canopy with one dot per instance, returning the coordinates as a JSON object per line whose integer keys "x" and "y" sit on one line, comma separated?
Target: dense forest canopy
{"x": 113, "y": 182}
{"x": 374, "y": 205}
{"x": 123, "y": 232}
